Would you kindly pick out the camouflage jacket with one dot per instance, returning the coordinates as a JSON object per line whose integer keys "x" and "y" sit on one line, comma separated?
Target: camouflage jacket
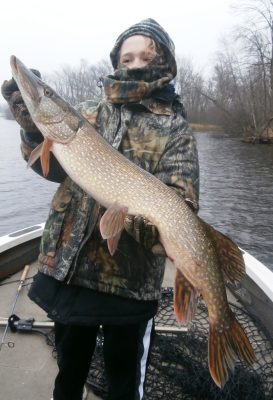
{"x": 153, "y": 135}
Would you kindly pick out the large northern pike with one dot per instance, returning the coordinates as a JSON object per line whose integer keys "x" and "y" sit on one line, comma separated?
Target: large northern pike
{"x": 198, "y": 252}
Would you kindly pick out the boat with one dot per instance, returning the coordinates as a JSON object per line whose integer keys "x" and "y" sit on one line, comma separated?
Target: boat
{"x": 178, "y": 367}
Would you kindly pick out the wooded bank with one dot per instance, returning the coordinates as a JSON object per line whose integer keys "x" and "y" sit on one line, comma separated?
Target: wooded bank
{"x": 236, "y": 98}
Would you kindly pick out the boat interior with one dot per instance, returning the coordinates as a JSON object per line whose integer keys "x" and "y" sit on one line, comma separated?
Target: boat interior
{"x": 178, "y": 366}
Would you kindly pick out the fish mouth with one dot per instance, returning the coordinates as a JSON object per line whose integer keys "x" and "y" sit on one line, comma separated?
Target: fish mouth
{"x": 28, "y": 83}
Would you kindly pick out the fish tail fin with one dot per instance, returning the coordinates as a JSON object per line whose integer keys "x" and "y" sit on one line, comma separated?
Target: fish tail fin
{"x": 225, "y": 345}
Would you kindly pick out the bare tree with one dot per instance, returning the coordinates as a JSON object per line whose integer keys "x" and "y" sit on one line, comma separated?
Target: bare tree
{"x": 241, "y": 86}
{"x": 189, "y": 83}
{"x": 255, "y": 47}
{"x": 80, "y": 83}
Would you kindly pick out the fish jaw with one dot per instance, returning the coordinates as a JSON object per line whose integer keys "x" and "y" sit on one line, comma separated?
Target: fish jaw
{"x": 50, "y": 112}
{"x": 28, "y": 84}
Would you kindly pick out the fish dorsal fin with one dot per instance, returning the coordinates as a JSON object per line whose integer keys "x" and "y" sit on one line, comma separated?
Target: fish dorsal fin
{"x": 230, "y": 256}
{"x": 35, "y": 154}
{"x": 185, "y": 298}
{"x": 112, "y": 224}
{"x": 45, "y": 156}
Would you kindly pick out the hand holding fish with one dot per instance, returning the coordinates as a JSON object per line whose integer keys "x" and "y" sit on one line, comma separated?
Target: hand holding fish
{"x": 8, "y": 88}
{"x": 10, "y": 92}
{"x": 145, "y": 233}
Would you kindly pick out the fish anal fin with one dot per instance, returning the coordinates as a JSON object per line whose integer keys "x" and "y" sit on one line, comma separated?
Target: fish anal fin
{"x": 230, "y": 256}
{"x": 225, "y": 346}
{"x": 112, "y": 224}
{"x": 35, "y": 154}
{"x": 45, "y": 156}
{"x": 185, "y": 298}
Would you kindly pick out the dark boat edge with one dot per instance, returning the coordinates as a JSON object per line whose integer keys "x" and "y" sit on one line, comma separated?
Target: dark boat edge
{"x": 18, "y": 249}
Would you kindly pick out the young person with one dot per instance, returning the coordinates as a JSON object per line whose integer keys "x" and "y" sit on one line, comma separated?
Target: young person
{"x": 80, "y": 284}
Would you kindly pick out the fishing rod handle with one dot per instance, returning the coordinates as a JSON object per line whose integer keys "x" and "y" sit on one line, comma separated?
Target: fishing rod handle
{"x": 23, "y": 277}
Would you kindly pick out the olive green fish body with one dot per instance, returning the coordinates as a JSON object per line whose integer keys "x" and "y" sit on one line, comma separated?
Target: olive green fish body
{"x": 113, "y": 180}
{"x": 199, "y": 252}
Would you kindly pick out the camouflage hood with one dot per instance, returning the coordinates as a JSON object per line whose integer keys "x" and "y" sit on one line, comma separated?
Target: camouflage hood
{"x": 150, "y": 28}
{"x": 133, "y": 85}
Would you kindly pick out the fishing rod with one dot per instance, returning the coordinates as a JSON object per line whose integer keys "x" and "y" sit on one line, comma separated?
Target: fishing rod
{"x": 23, "y": 277}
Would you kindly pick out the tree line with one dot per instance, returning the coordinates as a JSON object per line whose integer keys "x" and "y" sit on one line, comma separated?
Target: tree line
{"x": 237, "y": 96}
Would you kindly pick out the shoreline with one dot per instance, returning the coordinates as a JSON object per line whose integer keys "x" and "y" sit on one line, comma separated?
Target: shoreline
{"x": 215, "y": 128}
{"x": 205, "y": 128}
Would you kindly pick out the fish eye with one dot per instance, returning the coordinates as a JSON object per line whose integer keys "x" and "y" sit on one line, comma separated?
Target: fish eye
{"x": 47, "y": 92}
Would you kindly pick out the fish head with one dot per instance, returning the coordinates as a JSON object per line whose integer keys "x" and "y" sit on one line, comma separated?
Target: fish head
{"x": 54, "y": 117}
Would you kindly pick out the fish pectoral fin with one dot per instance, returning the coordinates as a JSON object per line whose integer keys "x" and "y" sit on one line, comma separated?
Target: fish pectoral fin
{"x": 225, "y": 345}
{"x": 35, "y": 154}
{"x": 185, "y": 298}
{"x": 230, "y": 256}
{"x": 112, "y": 224}
{"x": 45, "y": 156}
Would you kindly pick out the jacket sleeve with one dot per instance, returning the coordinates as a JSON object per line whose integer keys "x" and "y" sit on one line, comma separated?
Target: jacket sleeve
{"x": 90, "y": 111}
{"x": 178, "y": 166}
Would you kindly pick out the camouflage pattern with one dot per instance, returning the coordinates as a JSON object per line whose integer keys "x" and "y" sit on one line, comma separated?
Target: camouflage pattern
{"x": 133, "y": 85}
{"x": 150, "y": 28}
{"x": 150, "y": 131}
{"x": 153, "y": 135}
{"x": 125, "y": 85}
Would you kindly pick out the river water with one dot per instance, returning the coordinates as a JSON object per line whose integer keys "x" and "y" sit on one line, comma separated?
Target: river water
{"x": 236, "y": 189}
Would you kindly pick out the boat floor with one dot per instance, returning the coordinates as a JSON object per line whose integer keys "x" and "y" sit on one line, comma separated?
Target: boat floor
{"x": 28, "y": 370}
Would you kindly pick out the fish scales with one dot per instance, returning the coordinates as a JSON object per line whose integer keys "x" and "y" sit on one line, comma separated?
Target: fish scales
{"x": 116, "y": 180}
{"x": 199, "y": 252}
{"x": 144, "y": 195}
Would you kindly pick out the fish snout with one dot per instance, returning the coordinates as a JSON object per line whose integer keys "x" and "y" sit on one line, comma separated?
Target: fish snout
{"x": 27, "y": 81}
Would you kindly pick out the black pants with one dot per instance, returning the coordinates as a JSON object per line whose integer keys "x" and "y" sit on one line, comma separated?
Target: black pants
{"x": 126, "y": 349}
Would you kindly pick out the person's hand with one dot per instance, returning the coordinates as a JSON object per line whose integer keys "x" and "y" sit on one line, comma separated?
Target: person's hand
{"x": 145, "y": 233}
{"x": 8, "y": 88}
{"x": 193, "y": 205}
{"x": 12, "y": 95}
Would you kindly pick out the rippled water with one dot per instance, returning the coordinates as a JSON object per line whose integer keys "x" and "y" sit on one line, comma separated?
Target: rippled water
{"x": 24, "y": 196}
{"x": 237, "y": 192}
{"x": 236, "y": 189}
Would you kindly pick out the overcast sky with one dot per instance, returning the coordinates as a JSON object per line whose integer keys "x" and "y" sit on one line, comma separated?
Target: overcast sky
{"x": 46, "y": 35}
